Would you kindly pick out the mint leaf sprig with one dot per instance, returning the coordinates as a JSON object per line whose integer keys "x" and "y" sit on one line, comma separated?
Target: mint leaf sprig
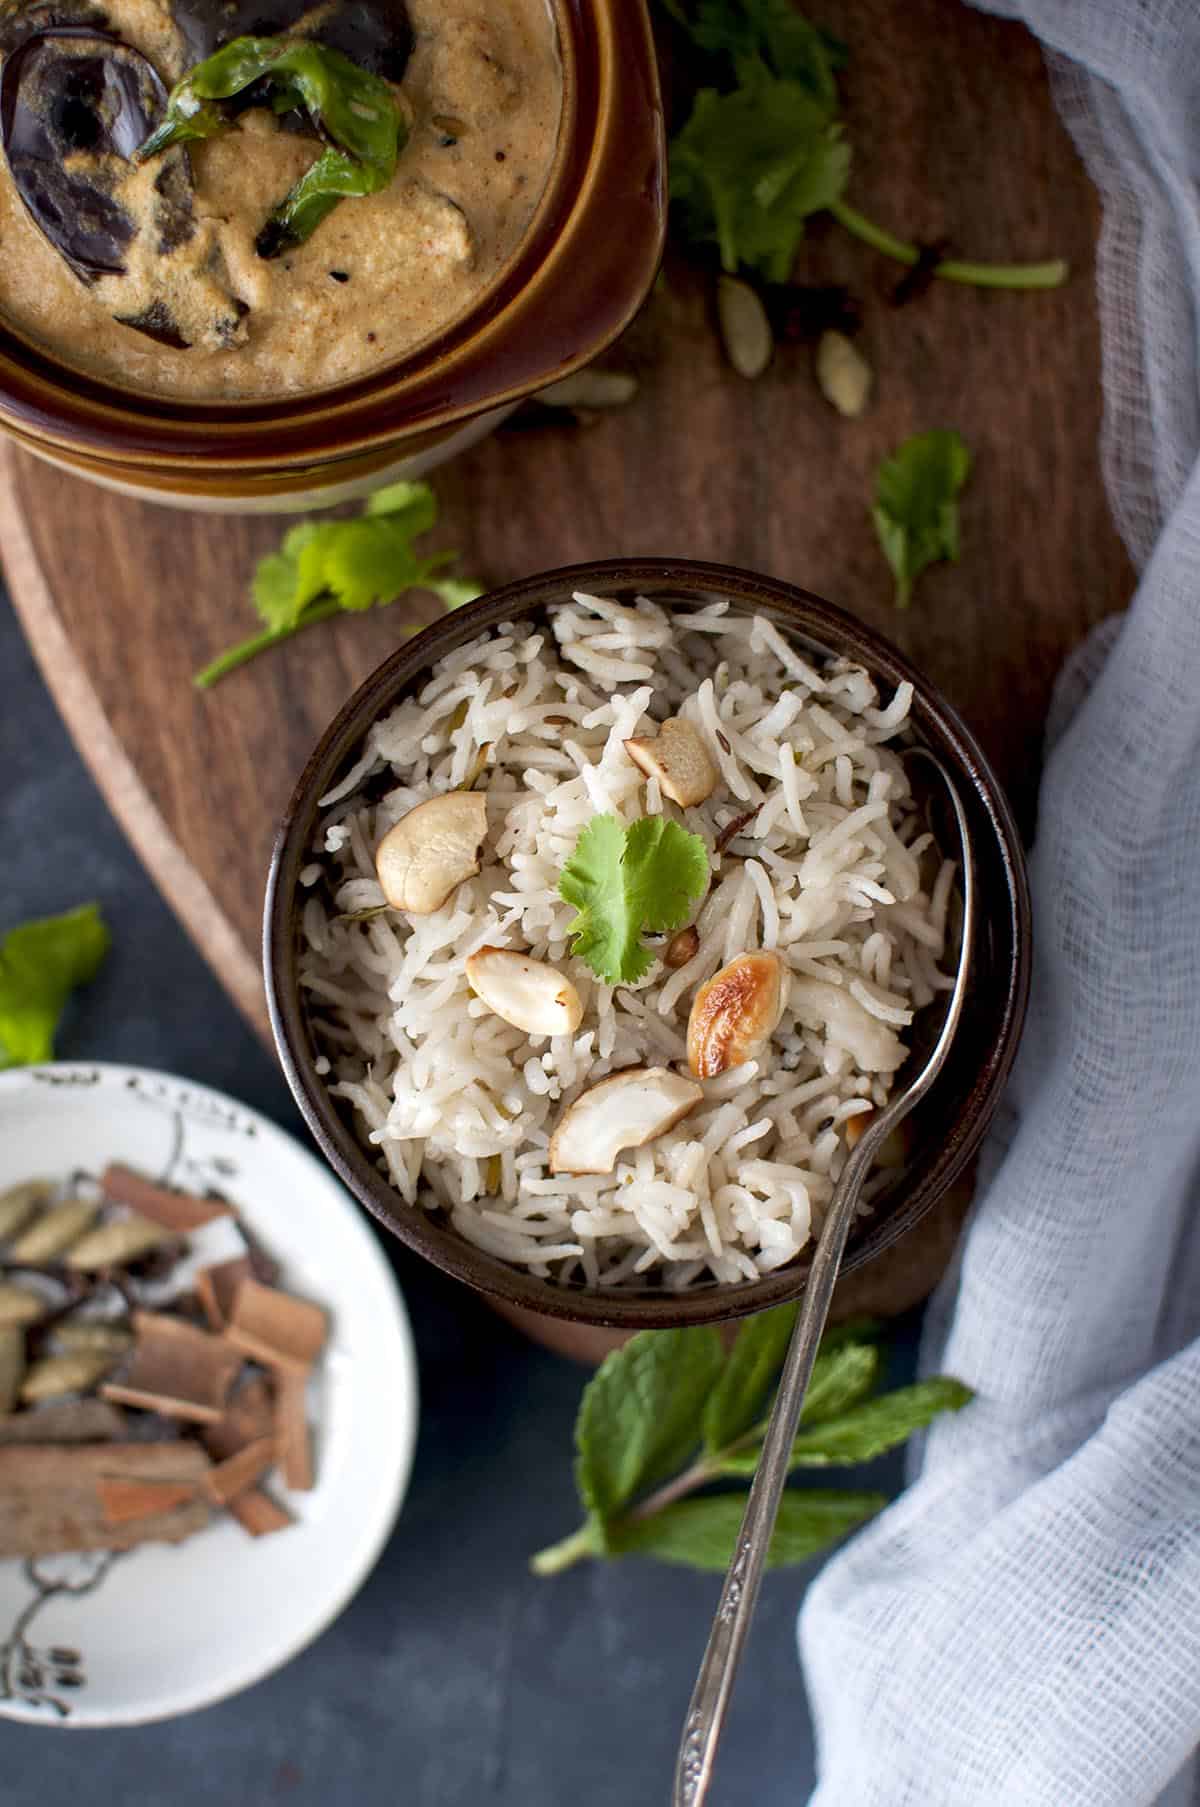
{"x": 325, "y": 568}
{"x": 670, "y": 1414}
{"x": 764, "y": 149}
{"x": 41, "y": 964}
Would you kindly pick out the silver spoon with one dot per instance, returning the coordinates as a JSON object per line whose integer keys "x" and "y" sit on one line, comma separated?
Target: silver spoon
{"x": 739, "y": 1596}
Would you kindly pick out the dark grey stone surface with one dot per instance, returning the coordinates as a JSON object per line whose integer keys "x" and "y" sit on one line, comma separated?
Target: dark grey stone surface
{"x": 455, "y": 1677}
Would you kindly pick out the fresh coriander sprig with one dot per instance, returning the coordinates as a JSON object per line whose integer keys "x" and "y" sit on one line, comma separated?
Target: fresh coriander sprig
{"x": 764, "y": 151}
{"x": 751, "y": 167}
{"x": 1048, "y": 275}
{"x": 916, "y": 505}
{"x": 671, "y": 1414}
{"x": 625, "y": 881}
{"x": 354, "y": 112}
{"x": 326, "y": 567}
{"x": 41, "y": 964}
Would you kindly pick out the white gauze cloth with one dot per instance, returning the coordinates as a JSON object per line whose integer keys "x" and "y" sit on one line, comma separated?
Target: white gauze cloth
{"x": 1022, "y": 1628}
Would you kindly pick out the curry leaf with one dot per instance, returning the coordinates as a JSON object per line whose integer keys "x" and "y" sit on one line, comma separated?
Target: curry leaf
{"x": 774, "y": 31}
{"x": 354, "y": 112}
{"x": 41, "y": 963}
{"x": 639, "y": 1419}
{"x": 749, "y": 168}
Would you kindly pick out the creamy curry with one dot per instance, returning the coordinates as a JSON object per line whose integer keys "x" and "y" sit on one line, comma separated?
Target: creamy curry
{"x": 151, "y": 273}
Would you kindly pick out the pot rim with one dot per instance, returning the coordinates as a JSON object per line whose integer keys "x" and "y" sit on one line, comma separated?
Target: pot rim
{"x": 826, "y": 627}
{"x": 567, "y": 292}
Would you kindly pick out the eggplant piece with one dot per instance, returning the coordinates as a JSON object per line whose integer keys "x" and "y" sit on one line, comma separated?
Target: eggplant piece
{"x": 205, "y": 25}
{"x": 19, "y": 21}
{"x": 372, "y": 33}
{"x": 375, "y": 34}
{"x": 156, "y": 322}
{"x": 74, "y": 106}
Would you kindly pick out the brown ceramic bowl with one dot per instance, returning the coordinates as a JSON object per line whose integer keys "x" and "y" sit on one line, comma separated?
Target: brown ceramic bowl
{"x": 573, "y": 284}
{"x": 947, "y": 1127}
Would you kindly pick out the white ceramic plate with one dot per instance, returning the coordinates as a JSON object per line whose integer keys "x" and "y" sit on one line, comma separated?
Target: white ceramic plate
{"x": 88, "y": 1640}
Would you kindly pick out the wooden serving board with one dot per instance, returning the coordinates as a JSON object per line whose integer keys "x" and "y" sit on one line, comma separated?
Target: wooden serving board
{"x": 954, "y": 136}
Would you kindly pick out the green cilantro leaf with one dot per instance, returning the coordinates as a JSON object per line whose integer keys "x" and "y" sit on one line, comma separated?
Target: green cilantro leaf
{"x": 702, "y": 1533}
{"x": 410, "y": 505}
{"x": 324, "y": 568}
{"x": 916, "y": 505}
{"x": 749, "y": 168}
{"x": 639, "y": 1418}
{"x": 763, "y": 148}
{"x": 775, "y": 32}
{"x": 41, "y": 963}
{"x": 285, "y": 581}
{"x": 624, "y": 881}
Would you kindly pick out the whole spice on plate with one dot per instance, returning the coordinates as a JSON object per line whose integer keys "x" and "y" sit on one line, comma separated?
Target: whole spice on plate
{"x": 20, "y": 1305}
{"x": 51, "y": 1496}
{"x": 203, "y": 1424}
{"x": 18, "y": 1204}
{"x": 75, "y": 1371}
{"x": 173, "y": 1210}
{"x": 12, "y": 1366}
{"x": 115, "y": 1244}
{"x": 175, "y": 1369}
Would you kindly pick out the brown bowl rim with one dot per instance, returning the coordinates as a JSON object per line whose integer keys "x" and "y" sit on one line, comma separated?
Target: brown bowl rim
{"x": 571, "y": 288}
{"x": 939, "y": 725}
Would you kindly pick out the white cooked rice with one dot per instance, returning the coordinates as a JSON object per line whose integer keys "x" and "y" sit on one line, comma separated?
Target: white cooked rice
{"x": 460, "y": 1106}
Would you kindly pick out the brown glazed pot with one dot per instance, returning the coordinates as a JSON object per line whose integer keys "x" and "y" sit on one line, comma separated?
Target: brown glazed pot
{"x": 573, "y": 284}
{"x": 946, "y": 1128}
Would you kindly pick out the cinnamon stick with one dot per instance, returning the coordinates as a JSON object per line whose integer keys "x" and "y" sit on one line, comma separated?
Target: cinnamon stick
{"x": 176, "y": 1369}
{"x": 176, "y": 1211}
{"x": 49, "y": 1498}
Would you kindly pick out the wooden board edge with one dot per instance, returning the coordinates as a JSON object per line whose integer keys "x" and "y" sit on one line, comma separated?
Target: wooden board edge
{"x": 119, "y": 784}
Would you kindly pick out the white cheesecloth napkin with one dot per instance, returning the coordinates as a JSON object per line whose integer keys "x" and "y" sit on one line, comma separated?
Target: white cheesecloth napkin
{"x": 1022, "y": 1628}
